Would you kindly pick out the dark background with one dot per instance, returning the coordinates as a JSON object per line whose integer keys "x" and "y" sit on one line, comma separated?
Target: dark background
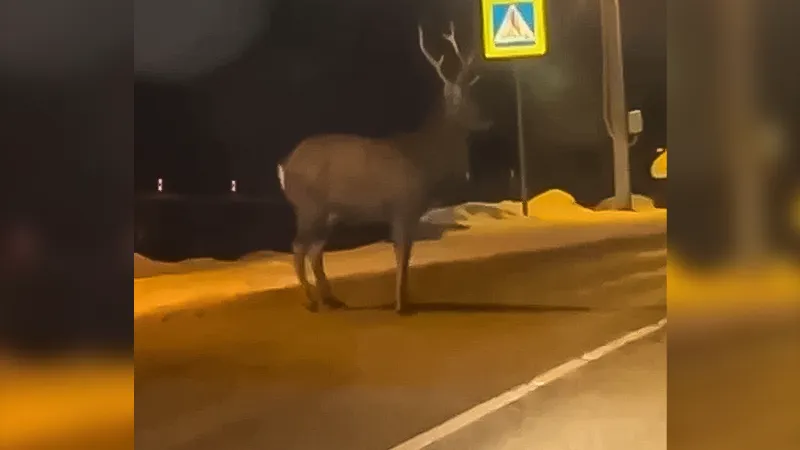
{"x": 308, "y": 67}
{"x": 66, "y": 175}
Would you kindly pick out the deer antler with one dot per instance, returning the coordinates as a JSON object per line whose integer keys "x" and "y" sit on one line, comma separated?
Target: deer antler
{"x": 451, "y": 38}
{"x": 436, "y": 64}
{"x": 465, "y": 62}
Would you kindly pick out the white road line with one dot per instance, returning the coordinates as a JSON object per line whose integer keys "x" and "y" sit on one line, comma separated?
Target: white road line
{"x": 484, "y": 409}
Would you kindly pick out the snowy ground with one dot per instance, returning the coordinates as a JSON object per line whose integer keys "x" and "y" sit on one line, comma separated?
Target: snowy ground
{"x": 478, "y": 231}
{"x": 552, "y": 208}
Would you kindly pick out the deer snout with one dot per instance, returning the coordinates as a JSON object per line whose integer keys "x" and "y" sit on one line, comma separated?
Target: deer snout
{"x": 475, "y": 120}
{"x": 478, "y": 123}
{"x": 483, "y": 125}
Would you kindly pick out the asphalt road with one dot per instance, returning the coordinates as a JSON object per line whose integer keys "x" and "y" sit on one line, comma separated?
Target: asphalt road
{"x": 263, "y": 373}
{"x": 618, "y": 402}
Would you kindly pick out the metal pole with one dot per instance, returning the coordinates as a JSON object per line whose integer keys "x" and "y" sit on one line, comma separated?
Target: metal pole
{"x": 523, "y": 167}
{"x": 617, "y": 110}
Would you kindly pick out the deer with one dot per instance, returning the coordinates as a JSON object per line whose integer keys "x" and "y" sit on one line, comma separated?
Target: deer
{"x": 342, "y": 178}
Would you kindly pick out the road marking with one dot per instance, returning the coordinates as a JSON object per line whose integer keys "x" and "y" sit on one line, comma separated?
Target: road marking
{"x": 482, "y": 410}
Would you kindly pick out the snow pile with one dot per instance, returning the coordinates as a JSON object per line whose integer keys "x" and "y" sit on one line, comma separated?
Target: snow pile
{"x": 551, "y": 206}
{"x": 658, "y": 169}
{"x": 559, "y": 206}
{"x": 144, "y": 266}
{"x": 556, "y": 204}
{"x": 640, "y": 203}
{"x": 471, "y": 213}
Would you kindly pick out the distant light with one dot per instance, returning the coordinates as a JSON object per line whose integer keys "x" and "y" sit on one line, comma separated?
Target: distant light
{"x": 160, "y": 185}
{"x": 233, "y": 185}
{"x": 467, "y": 176}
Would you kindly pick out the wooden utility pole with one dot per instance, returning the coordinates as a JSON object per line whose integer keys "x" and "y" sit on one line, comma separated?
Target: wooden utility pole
{"x": 740, "y": 121}
{"x": 615, "y": 110}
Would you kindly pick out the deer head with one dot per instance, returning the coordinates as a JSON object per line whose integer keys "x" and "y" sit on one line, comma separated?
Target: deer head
{"x": 458, "y": 105}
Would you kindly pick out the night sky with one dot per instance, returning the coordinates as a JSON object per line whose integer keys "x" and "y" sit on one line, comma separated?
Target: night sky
{"x": 225, "y": 94}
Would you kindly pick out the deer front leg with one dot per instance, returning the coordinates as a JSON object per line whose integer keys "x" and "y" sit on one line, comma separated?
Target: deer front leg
{"x": 402, "y": 252}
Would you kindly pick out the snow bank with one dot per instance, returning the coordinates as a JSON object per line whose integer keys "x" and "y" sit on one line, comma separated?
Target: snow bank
{"x": 640, "y": 203}
{"x": 551, "y": 206}
{"x": 472, "y": 213}
{"x": 146, "y": 267}
{"x": 197, "y": 290}
{"x": 559, "y": 206}
{"x": 658, "y": 169}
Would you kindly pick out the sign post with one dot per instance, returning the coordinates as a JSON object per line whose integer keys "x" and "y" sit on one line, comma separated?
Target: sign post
{"x": 515, "y": 29}
{"x": 523, "y": 173}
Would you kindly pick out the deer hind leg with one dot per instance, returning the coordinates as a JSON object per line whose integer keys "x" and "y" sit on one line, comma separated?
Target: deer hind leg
{"x": 307, "y": 232}
{"x": 402, "y": 240}
{"x": 315, "y": 253}
{"x": 300, "y": 250}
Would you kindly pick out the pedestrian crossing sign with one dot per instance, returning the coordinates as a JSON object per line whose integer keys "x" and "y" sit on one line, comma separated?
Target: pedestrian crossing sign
{"x": 513, "y": 28}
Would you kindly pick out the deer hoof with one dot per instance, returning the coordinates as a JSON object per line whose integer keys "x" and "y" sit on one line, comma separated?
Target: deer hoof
{"x": 334, "y": 303}
{"x": 312, "y": 306}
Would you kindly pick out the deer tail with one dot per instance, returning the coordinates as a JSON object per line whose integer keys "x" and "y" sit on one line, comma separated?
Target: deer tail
{"x": 281, "y": 177}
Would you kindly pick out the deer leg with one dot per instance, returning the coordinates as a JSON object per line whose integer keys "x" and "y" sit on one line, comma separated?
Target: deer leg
{"x": 303, "y": 243}
{"x": 300, "y": 250}
{"x": 316, "y": 251}
{"x": 401, "y": 237}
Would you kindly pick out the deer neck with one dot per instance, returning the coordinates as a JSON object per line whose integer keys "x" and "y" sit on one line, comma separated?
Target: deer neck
{"x": 440, "y": 147}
